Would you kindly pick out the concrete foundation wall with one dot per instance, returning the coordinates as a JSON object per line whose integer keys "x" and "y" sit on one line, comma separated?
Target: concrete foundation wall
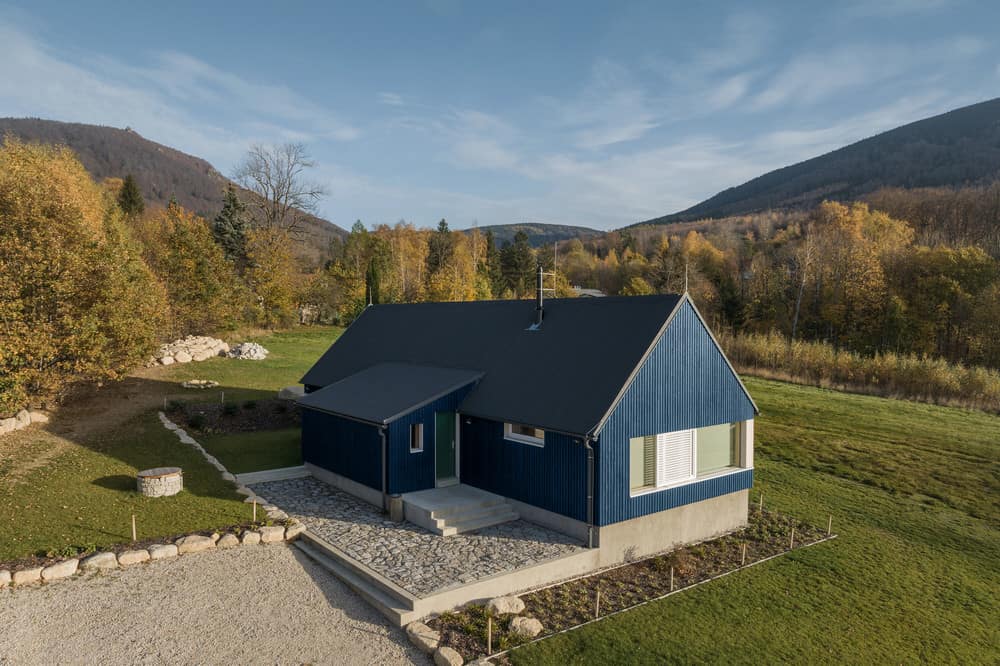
{"x": 665, "y": 530}
{"x": 359, "y": 490}
{"x": 554, "y": 521}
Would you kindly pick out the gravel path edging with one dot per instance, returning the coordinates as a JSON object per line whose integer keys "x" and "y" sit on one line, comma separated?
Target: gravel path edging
{"x": 273, "y": 512}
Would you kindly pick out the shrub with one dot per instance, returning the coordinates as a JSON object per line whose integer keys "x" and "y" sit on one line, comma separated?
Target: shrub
{"x": 175, "y": 406}
{"x": 197, "y": 421}
{"x": 908, "y": 376}
{"x": 230, "y": 409}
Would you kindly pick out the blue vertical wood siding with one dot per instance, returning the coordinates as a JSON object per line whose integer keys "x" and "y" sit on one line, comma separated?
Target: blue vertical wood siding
{"x": 415, "y": 471}
{"x": 553, "y": 477}
{"x": 345, "y": 447}
{"x": 684, "y": 383}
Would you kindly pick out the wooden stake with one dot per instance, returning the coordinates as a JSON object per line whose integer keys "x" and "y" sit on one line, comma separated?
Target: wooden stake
{"x": 829, "y": 526}
{"x": 133, "y": 527}
{"x": 671, "y": 579}
{"x": 255, "y": 510}
{"x": 743, "y": 558}
{"x": 791, "y": 540}
{"x": 597, "y": 604}
{"x": 489, "y": 634}
{"x": 222, "y": 398}
{"x": 762, "y": 502}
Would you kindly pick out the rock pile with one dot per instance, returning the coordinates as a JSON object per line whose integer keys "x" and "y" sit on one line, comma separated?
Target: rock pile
{"x": 200, "y": 383}
{"x": 191, "y": 348}
{"x": 248, "y": 351}
{"x": 22, "y": 419}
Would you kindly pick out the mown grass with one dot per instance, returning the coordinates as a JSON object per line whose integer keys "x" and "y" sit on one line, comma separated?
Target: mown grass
{"x": 913, "y": 577}
{"x": 244, "y": 452}
{"x": 60, "y": 490}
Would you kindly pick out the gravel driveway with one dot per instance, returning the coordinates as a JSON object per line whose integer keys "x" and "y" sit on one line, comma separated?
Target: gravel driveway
{"x": 266, "y": 604}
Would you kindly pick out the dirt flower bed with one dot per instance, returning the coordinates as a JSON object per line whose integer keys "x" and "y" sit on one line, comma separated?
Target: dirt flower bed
{"x": 244, "y": 416}
{"x": 48, "y": 558}
{"x": 573, "y": 603}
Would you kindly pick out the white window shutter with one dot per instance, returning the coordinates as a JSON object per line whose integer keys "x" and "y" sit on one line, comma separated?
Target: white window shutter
{"x": 674, "y": 457}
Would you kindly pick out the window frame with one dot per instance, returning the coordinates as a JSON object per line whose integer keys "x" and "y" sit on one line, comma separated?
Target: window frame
{"x": 509, "y": 435}
{"x": 420, "y": 437}
{"x": 741, "y": 430}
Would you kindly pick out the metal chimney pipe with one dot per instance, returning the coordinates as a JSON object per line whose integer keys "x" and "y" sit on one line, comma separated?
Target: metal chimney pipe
{"x": 539, "y": 309}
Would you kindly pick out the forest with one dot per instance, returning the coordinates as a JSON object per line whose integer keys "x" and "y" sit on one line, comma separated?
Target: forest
{"x": 904, "y": 279}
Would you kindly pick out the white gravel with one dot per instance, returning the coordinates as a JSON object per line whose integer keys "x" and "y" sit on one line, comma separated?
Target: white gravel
{"x": 253, "y": 605}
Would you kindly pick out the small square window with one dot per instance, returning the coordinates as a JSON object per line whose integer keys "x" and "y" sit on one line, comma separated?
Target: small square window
{"x": 416, "y": 438}
{"x": 525, "y": 434}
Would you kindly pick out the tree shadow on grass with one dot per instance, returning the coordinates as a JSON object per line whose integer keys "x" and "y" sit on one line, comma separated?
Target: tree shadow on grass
{"x": 116, "y": 482}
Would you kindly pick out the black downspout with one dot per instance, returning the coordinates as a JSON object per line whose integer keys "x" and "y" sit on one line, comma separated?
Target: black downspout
{"x": 588, "y": 444}
{"x": 385, "y": 469}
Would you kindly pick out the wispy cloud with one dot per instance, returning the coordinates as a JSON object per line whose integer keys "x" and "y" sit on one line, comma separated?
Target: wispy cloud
{"x": 390, "y": 99}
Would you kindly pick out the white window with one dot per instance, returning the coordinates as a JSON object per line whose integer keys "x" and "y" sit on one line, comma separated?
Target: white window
{"x": 416, "y": 438}
{"x": 672, "y": 458}
{"x": 525, "y": 434}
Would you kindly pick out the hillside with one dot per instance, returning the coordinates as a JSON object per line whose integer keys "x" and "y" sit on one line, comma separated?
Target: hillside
{"x": 162, "y": 172}
{"x": 960, "y": 147}
{"x": 539, "y": 234}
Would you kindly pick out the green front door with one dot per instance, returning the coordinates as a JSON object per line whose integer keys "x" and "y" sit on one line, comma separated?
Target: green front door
{"x": 444, "y": 445}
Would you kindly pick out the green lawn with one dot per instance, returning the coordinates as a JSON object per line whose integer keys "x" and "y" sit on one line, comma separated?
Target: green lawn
{"x": 913, "y": 577}
{"x": 244, "y": 452}
{"x": 72, "y": 486}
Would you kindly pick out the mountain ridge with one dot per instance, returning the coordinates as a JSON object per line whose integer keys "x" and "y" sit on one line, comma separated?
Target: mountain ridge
{"x": 958, "y": 147}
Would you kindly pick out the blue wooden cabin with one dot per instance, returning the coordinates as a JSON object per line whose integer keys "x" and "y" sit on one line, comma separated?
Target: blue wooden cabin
{"x": 617, "y": 419}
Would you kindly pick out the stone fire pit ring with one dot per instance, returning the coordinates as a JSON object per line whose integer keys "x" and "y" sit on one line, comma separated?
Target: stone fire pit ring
{"x": 160, "y": 481}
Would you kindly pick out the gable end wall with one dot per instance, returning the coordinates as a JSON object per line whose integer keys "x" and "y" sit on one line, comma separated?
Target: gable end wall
{"x": 685, "y": 382}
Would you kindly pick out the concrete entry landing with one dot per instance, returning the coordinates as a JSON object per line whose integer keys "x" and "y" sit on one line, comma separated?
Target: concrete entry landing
{"x": 455, "y": 509}
{"x": 407, "y": 572}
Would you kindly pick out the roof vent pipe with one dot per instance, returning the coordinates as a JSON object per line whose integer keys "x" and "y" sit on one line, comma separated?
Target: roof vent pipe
{"x": 539, "y": 309}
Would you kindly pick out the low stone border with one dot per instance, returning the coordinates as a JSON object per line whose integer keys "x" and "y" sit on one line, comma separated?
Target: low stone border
{"x": 192, "y": 543}
{"x": 273, "y": 512}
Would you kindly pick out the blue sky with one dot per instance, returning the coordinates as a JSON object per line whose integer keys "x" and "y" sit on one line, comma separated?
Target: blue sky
{"x": 599, "y": 114}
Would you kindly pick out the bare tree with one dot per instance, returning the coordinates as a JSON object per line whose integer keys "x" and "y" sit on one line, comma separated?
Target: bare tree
{"x": 283, "y": 198}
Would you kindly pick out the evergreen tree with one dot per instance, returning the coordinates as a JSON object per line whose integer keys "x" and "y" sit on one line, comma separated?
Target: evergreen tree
{"x": 130, "y": 198}
{"x": 230, "y": 227}
{"x": 440, "y": 249}
{"x": 494, "y": 274}
{"x": 517, "y": 263}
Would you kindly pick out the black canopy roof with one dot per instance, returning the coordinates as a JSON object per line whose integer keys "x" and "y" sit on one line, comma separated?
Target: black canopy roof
{"x": 386, "y": 391}
{"x": 565, "y": 376}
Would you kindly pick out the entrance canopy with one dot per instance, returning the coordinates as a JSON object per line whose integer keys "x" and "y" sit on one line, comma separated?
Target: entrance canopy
{"x": 385, "y": 392}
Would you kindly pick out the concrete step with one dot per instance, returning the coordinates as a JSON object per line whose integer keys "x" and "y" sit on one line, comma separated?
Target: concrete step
{"x": 478, "y": 523}
{"x": 395, "y": 603}
{"x": 486, "y": 502}
{"x": 473, "y": 513}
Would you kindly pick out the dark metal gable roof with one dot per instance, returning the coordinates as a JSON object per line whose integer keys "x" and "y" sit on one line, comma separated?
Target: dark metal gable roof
{"x": 561, "y": 377}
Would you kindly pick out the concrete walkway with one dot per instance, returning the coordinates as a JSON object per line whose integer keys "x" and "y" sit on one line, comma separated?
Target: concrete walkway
{"x": 411, "y": 557}
{"x": 259, "y": 605}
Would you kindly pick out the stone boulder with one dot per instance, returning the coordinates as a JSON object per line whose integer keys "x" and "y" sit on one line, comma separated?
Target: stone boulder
{"x": 250, "y": 538}
{"x": 8, "y": 425}
{"x": 39, "y": 417}
{"x": 63, "y": 569}
{"x": 294, "y": 530}
{"x": 182, "y": 357}
{"x": 446, "y": 656}
{"x": 167, "y": 360}
{"x": 194, "y": 543}
{"x": 99, "y": 561}
{"x": 4, "y": 578}
{"x": 528, "y": 627}
{"x": 423, "y": 637}
{"x": 130, "y": 557}
{"x": 272, "y": 534}
{"x": 162, "y": 551}
{"x": 248, "y": 351}
{"x": 227, "y": 541}
{"x": 27, "y": 576}
{"x": 23, "y": 418}
{"x": 505, "y": 606}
